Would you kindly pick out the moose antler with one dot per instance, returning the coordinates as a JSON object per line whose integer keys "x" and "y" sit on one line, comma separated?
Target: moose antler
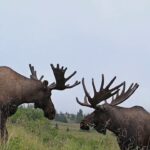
{"x": 119, "y": 98}
{"x": 59, "y": 74}
{"x": 102, "y": 95}
{"x": 85, "y": 102}
{"x": 33, "y": 73}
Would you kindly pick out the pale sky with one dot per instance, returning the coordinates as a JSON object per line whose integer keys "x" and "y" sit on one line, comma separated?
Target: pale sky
{"x": 89, "y": 36}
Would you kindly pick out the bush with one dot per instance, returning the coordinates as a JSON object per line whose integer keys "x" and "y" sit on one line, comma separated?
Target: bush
{"x": 26, "y": 114}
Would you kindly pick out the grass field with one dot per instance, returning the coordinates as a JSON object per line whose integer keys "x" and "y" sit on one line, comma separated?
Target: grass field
{"x": 41, "y": 134}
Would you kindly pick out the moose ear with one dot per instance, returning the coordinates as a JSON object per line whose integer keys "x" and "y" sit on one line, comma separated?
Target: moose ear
{"x": 45, "y": 83}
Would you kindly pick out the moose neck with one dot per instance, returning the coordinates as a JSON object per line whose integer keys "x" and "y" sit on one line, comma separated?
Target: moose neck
{"x": 28, "y": 91}
{"x": 116, "y": 118}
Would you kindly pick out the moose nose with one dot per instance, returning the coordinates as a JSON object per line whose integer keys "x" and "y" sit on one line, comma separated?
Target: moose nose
{"x": 53, "y": 113}
{"x": 50, "y": 114}
{"x": 84, "y": 126}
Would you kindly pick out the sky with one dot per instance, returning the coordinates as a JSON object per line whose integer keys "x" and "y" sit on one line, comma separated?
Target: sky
{"x": 89, "y": 36}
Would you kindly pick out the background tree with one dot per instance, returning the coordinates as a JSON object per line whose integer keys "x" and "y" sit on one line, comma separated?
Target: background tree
{"x": 79, "y": 116}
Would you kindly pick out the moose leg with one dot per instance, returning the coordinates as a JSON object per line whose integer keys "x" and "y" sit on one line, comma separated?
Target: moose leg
{"x": 121, "y": 145}
{"x": 4, "y": 134}
{"x": 3, "y": 130}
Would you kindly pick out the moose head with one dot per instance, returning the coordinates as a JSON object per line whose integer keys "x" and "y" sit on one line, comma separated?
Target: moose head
{"x": 42, "y": 98}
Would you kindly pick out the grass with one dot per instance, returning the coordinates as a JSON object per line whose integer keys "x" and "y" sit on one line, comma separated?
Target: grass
{"x": 45, "y": 138}
{"x": 41, "y": 134}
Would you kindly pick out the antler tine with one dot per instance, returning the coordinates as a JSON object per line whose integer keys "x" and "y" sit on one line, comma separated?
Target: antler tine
{"x": 117, "y": 92}
{"x": 85, "y": 90}
{"x": 52, "y": 85}
{"x": 73, "y": 85}
{"x": 71, "y": 75}
{"x": 33, "y": 73}
{"x": 93, "y": 101}
{"x": 102, "y": 84}
{"x": 111, "y": 82}
{"x": 124, "y": 95}
{"x": 85, "y": 102}
{"x": 41, "y": 78}
{"x": 93, "y": 84}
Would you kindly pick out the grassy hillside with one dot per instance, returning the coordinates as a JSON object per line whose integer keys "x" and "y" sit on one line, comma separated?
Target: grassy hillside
{"x": 37, "y": 133}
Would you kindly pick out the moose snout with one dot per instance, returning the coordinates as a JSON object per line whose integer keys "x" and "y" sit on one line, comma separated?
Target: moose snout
{"x": 84, "y": 126}
{"x": 53, "y": 113}
{"x": 50, "y": 115}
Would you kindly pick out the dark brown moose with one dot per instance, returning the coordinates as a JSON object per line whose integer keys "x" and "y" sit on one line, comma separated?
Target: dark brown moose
{"x": 130, "y": 125}
{"x": 16, "y": 89}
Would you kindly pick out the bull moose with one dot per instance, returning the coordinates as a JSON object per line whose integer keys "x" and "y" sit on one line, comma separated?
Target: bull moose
{"x": 130, "y": 125}
{"x": 16, "y": 89}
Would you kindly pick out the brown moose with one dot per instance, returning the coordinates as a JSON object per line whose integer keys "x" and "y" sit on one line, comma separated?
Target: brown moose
{"x": 16, "y": 89}
{"x": 130, "y": 125}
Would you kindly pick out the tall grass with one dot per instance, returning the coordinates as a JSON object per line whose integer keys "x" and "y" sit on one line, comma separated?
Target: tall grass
{"x": 26, "y": 133}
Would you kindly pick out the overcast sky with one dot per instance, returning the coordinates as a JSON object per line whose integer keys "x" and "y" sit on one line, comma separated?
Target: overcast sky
{"x": 89, "y": 36}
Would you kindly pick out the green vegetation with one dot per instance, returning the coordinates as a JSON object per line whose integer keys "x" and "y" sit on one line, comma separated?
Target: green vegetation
{"x": 29, "y": 130}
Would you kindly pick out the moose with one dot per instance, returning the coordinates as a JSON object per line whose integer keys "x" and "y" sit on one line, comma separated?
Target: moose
{"x": 130, "y": 125}
{"x": 15, "y": 89}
